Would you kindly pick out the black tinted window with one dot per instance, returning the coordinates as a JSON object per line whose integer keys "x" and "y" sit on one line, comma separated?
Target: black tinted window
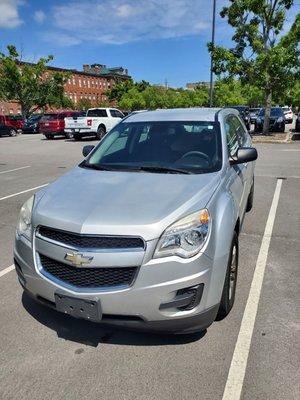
{"x": 97, "y": 113}
{"x": 116, "y": 114}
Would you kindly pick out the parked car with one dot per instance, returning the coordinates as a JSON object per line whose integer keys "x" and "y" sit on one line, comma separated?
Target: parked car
{"x": 277, "y": 120}
{"x": 97, "y": 122}
{"x": 53, "y": 124}
{"x": 288, "y": 115}
{"x": 32, "y": 124}
{"x": 297, "y": 127}
{"x": 245, "y": 115}
{"x": 6, "y": 130}
{"x": 253, "y": 114}
{"x": 144, "y": 232}
{"x": 13, "y": 121}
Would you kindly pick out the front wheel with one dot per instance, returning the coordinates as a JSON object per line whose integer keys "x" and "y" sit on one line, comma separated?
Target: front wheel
{"x": 228, "y": 294}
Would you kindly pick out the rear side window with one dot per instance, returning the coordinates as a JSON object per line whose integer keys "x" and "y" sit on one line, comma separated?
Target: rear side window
{"x": 97, "y": 113}
{"x": 116, "y": 114}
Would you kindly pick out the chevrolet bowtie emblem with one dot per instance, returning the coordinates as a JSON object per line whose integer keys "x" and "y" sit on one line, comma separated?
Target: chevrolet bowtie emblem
{"x": 78, "y": 259}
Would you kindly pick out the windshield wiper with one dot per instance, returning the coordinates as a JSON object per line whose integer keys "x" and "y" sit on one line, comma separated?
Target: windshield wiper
{"x": 98, "y": 167}
{"x": 156, "y": 168}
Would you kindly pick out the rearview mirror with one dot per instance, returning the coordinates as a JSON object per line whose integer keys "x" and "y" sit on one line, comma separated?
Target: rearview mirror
{"x": 86, "y": 150}
{"x": 244, "y": 154}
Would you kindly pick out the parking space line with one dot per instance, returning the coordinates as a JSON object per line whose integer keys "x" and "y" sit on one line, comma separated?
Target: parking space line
{"x": 15, "y": 169}
{"x": 239, "y": 360}
{"x": 23, "y": 191}
{"x": 7, "y": 270}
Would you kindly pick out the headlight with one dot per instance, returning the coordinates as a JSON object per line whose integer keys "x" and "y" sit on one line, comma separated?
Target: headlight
{"x": 24, "y": 223}
{"x": 258, "y": 119}
{"x": 280, "y": 119}
{"x": 186, "y": 237}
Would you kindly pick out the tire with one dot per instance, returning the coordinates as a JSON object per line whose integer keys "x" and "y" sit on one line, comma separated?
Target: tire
{"x": 282, "y": 129}
{"x": 77, "y": 137}
{"x": 69, "y": 135}
{"x": 100, "y": 132}
{"x": 12, "y": 132}
{"x": 250, "y": 198}
{"x": 49, "y": 137}
{"x": 228, "y": 294}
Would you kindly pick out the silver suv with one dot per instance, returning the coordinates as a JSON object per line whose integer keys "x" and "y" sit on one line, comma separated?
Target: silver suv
{"x": 144, "y": 232}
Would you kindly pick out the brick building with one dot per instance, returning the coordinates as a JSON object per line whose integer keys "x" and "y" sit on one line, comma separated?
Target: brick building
{"x": 91, "y": 83}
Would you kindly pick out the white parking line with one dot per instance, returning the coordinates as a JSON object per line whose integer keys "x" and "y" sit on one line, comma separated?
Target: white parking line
{"x": 239, "y": 360}
{"x": 15, "y": 169}
{"x": 7, "y": 270}
{"x": 23, "y": 191}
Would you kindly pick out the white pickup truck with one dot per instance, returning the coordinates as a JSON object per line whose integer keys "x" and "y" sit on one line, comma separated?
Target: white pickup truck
{"x": 97, "y": 122}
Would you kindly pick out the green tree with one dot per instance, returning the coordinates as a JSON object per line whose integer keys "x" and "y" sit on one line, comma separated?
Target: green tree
{"x": 263, "y": 54}
{"x": 32, "y": 85}
{"x": 228, "y": 92}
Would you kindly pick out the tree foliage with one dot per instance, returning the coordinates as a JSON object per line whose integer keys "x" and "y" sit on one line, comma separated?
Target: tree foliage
{"x": 32, "y": 85}
{"x": 263, "y": 54}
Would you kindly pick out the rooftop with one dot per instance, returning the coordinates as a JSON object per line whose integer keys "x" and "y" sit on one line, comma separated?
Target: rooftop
{"x": 176, "y": 114}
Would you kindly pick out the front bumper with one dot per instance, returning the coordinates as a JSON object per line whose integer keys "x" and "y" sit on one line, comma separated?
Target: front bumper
{"x": 139, "y": 306}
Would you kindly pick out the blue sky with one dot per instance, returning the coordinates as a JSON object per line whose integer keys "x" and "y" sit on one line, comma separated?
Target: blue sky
{"x": 156, "y": 40}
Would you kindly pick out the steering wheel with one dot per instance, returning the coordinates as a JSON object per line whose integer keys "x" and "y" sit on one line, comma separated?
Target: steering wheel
{"x": 198, "y": 154}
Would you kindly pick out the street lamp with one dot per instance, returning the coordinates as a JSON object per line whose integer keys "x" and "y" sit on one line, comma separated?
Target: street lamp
{"x": 211, "y": 89}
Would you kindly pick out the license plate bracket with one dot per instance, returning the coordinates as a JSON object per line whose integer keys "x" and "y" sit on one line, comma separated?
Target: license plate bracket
{"x": 89, "y": 309}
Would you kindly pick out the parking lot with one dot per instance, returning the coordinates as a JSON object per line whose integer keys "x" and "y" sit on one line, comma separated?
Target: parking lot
{"x": 46, "y": 355}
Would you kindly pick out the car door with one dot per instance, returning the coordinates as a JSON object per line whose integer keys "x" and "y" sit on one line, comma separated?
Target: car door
{"x": 236, "y": 182}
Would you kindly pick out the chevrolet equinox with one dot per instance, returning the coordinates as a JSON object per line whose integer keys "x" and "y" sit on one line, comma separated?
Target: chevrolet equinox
{"x": 144, "y": 232}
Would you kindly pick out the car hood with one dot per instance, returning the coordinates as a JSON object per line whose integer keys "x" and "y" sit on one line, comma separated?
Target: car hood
{"x": 121, "y": 203}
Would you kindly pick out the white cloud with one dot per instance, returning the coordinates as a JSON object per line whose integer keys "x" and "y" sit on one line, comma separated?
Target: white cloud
{"x": 39, "y": 16}
{"x": 123, "y": 21}
{"x": 61, "y": 39}
{"x": 9, "y": 13}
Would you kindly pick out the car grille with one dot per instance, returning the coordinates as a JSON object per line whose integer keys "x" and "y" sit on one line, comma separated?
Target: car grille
{"x": 90, "y": 241}
{"x": 88, "y": 277}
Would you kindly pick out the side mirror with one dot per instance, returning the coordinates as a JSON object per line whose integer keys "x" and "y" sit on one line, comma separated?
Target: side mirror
{"x": 86, "y": 150}
{"x": 244, "y": 154}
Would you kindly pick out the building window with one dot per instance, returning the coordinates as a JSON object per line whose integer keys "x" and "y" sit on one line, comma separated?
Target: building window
{"x": 88, "y": 83}
{"x": 69, "y": 81}
{"x": 74, "y": 81}
{"x": 84, "y": 82}
{"x": 79, "y": 81}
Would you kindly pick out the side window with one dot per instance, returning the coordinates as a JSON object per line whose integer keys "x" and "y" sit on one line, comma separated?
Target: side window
{"x": 240, "y": 130}
{"x": 231, "y": 136}
{"x": 116, "y": 114}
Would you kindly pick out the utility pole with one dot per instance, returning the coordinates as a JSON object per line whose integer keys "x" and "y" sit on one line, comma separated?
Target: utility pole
{"x": 211, "y": 89}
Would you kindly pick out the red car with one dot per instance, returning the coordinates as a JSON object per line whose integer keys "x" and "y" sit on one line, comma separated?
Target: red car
{"x": 53, "y": 124}
{"x": 13, "y": 121}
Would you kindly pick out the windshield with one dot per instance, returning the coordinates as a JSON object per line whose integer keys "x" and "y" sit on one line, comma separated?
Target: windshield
{"x": 275, "y": 112}
{"x": 181, "y": 147}
{"x": 241, "y": 109}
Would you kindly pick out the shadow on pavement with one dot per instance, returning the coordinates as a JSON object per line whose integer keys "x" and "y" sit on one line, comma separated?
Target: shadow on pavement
{"x": 92, "y": 334}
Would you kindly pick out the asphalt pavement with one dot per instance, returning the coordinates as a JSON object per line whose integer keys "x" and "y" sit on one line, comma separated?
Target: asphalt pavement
{"x": 46, "y": 355}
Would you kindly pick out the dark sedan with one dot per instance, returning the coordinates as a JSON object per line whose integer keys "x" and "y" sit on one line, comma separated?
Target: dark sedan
{"x": 32, "y": 124}
{"x": 277, "y": 120}
{"x": 6, "y": 130}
